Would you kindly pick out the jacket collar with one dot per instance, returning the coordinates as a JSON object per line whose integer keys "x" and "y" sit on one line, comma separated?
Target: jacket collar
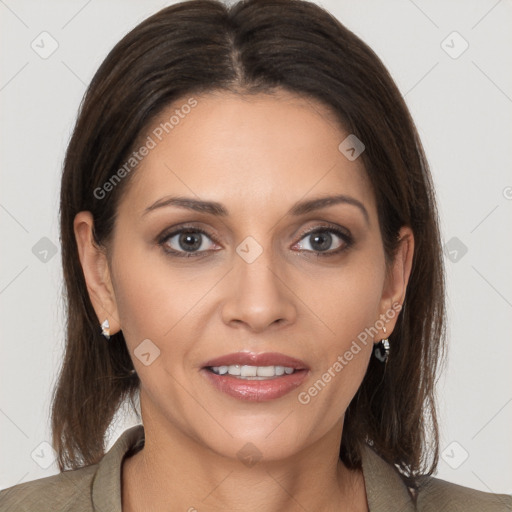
{"x": 385, "y": 489}
{"x": 106, "y": 486}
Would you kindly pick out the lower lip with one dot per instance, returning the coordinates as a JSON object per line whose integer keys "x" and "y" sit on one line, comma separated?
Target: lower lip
{"x": 256, "y": 390}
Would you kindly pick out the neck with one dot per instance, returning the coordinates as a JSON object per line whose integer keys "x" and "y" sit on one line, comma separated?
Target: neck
{"x": 173, "y": 470}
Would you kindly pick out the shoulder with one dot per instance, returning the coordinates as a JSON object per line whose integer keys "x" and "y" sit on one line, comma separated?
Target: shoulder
{"x": 93, "y": 487}
{"x": 439, "y": 495}
{"x": 66, "y": 491}
{"x": 387, "y": 492}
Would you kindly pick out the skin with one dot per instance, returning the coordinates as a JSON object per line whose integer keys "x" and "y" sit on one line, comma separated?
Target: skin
{"x": 257, "y": 156}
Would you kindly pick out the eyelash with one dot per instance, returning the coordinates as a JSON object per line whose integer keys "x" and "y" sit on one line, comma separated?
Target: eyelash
{"x": 345, "y": 237}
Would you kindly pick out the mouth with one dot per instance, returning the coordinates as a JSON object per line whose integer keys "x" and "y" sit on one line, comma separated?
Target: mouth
{"x": 255, "y": 377}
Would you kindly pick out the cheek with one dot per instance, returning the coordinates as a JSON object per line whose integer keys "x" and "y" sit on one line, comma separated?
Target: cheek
{"x": 348, "y": 306}
{"x": 346, "y": 301}
{"x": 146, "y": 294}
{"x": 160, "y": 302}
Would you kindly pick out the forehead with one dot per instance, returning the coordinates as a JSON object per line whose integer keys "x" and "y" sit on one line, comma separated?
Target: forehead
{"x": 261, "y": 149}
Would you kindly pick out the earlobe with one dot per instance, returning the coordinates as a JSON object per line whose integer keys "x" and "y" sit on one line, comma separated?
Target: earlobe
{"x": 96, "y": 272}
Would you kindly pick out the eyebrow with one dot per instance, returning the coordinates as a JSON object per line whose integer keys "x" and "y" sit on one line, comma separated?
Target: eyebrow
{"x": 217, "y": 209}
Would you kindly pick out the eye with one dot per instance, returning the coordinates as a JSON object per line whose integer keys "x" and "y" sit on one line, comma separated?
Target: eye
{"x": 193, "y": 241}
{"x": 186, "y": 242}
{"x": 321, "y": 240}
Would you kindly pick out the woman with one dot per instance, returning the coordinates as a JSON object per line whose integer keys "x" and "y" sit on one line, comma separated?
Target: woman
{"x": 250, "y": 241}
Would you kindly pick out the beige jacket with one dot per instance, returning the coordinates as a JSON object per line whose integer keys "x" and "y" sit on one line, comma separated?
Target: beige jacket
{"x": 97, "y": 488}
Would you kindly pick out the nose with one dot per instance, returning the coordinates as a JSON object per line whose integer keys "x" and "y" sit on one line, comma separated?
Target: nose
{"x": 260, "y": 297}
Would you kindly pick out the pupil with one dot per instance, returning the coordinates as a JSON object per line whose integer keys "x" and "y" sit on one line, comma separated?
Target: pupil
{"x": 318, "y": 238}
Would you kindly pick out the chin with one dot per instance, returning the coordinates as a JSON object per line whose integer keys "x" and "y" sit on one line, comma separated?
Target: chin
{"x": 258, "y": 437}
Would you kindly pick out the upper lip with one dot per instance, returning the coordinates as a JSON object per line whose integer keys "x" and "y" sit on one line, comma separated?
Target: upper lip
{"x": 253, "y": 359}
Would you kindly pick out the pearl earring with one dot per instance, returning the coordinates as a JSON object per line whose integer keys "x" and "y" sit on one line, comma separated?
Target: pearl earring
{"x": 105, "y": 329}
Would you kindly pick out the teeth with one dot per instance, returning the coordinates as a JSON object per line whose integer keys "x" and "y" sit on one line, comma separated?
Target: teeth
{"x": 252, "y": 372}
{"x": 265, "y": 371}
{"x": 248, "y": 371}
{"x": 234, "y": 369}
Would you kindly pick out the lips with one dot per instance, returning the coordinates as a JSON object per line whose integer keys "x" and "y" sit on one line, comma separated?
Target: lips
{"x": 259, "y": 390}
{"x": 252, "y": 359}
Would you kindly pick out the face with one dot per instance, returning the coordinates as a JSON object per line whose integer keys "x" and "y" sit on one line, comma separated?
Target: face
{"x": 241, "y": 271}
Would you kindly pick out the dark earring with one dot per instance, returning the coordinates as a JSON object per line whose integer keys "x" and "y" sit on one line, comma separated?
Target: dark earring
{"x": 381, "y": 350}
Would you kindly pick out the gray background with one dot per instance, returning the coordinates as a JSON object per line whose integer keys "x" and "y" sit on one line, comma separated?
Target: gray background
{"x": 462, "y": 107}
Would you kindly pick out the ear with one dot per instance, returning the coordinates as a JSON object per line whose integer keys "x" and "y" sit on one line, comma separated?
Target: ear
{"x": 96, "y": 272}
{"x": 397, "y": 277}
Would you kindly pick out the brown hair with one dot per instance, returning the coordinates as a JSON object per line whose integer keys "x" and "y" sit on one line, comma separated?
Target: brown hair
{"x": 255, "y": 46}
